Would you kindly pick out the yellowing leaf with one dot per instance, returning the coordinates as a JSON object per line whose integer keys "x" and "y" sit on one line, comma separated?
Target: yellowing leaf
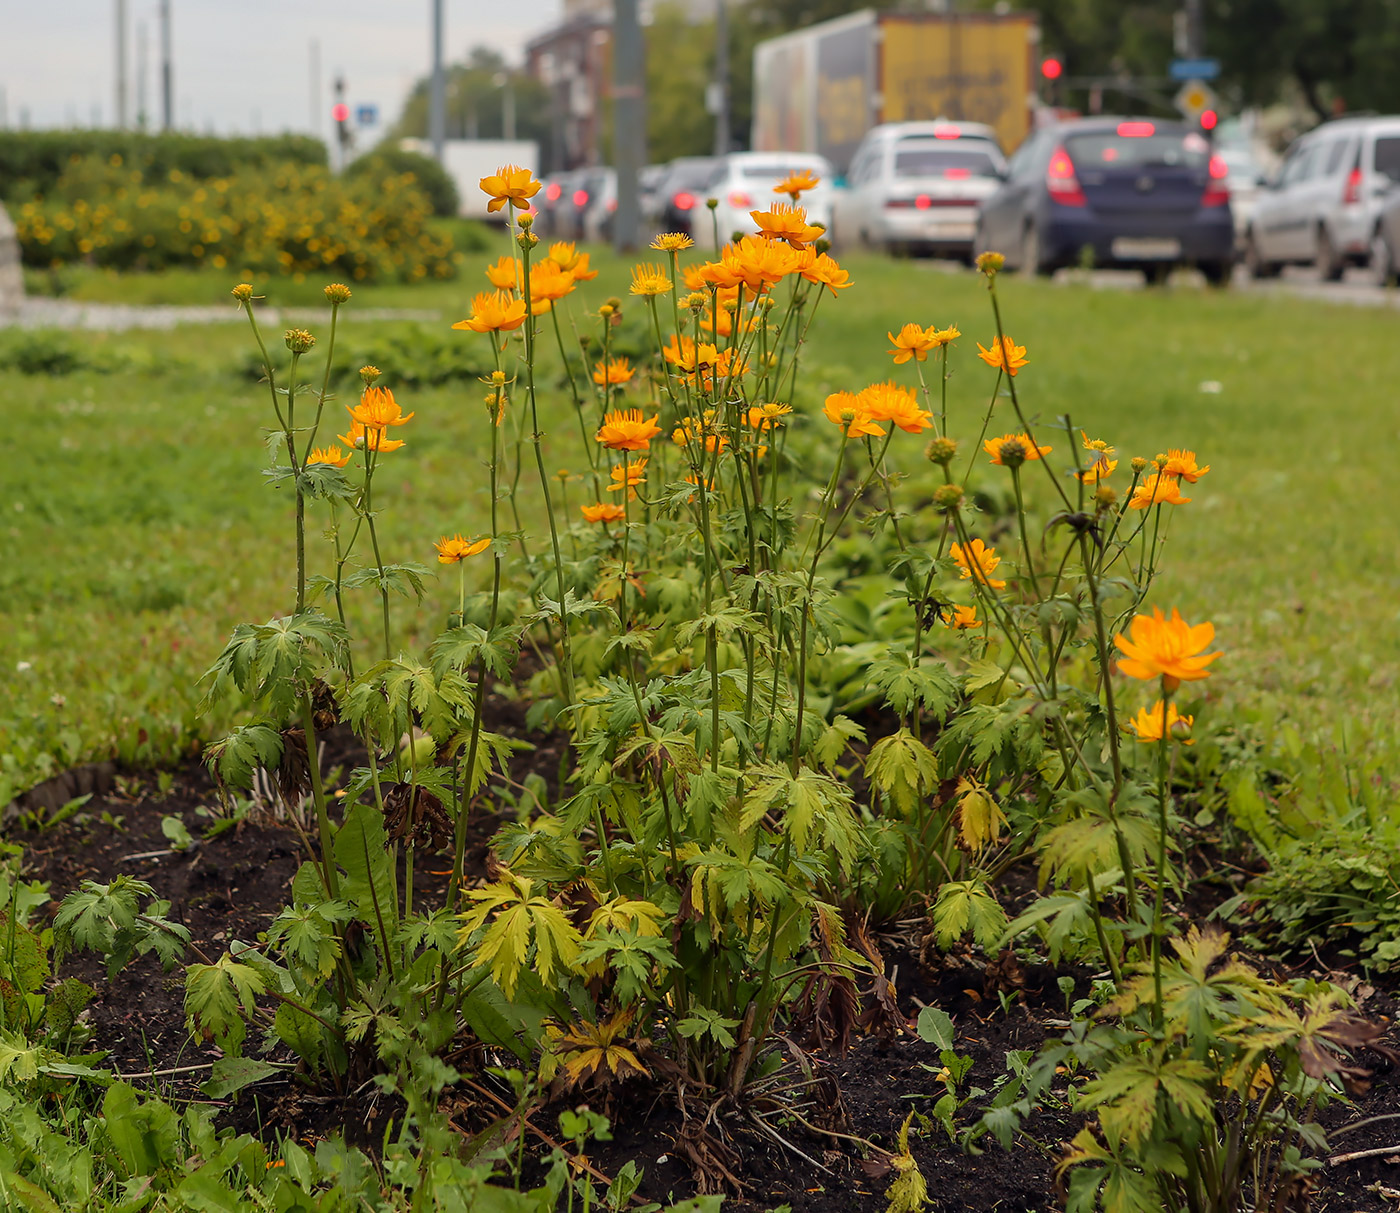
{"x": 980, "y": 819}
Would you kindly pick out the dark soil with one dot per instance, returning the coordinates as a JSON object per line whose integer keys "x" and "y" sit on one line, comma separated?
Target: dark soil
{"x": 231, "y": 886}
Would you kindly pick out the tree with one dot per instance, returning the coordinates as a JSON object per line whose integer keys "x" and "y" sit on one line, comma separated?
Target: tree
{"x": 475, "y": 102}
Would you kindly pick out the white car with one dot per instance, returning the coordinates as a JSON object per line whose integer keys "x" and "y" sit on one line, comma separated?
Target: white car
{"x": 1324, "y": 204}
{"x": 743, "y": 182}
{"x": 917, "y": 186}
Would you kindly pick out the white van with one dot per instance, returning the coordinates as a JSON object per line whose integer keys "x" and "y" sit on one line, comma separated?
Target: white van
{"x": 1323, "y": 205}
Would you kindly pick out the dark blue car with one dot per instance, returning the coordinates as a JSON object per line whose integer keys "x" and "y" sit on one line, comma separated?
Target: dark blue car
{"x": 1136, "y": 193}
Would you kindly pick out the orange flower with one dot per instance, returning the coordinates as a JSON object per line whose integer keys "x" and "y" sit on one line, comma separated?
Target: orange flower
{"x": 891, "y": 402}
{"x": 1157, "y": 489}
{"x": 457, "y": 549}
{"x": 649, "y": 280}
{"x": 1029, "y": 450}
{"x": 1009, "y": 356}
{"x": 330, "y": 456}
{"x": 494, "y": 313}
{"x": 978, "y": 556}
{"x": 1102, "y": 470}
{"x": 847, "y": 410}
{"x": 548, "y": 281}
{"x": 627, "y": 430}
{"x": 944, "y": 336}
{"x": 505, "y": 274}
{"x": 614, "y": 373}
{"x": 1164, "y": 648}
{"x": 1149, "y": 723}
{"x": 1182, "y": 466}
{"x": 794, "y": 185}
{"x": 755, "y": 262}
{"x": 672, "y": 242}
{"x": 369, "y": 439}
{"x": 789, "y": 223}
{"x": 509, "y": 184}
{"x": 766, "y": 416}
{"x": 564, "y": 254}
{"x": 914, "y": 341}
{"x": 824, "y": 271}
{"x": 964, "y": 617}
{"x": 628, "y": 477}
{"x": 603, "y": 512}
{"x": 378, "y": 409}
{"x": 690, "y": 431}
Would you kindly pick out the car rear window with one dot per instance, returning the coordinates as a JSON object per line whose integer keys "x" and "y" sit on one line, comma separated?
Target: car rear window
{"x": 774, "y": 171}
{"x": 936, "y": 159}
{"x": 1388, "y": 156}
{"x": 1153, "y": 146}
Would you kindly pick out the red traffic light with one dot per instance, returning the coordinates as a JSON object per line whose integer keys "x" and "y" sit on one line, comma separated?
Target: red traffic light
{"x": 340, "y": 112}
{"x": 1051, "y": 69}
{"x": 1209, "y": 118}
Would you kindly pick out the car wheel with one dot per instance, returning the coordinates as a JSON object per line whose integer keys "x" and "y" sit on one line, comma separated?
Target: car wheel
{"x": 1157, "y": 273}
{"x": 1217, "y": 273}
{"x": 1329, "y": 266}
{"x": 1254, "y": 261}
{"x": 1031, "y": 262}
{"x": 1382, "y": 260}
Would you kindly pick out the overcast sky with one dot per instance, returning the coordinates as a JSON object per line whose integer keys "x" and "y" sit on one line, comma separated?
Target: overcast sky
{"x": 240, "y": 65}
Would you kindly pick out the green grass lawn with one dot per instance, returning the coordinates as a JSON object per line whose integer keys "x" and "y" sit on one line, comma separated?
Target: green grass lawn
{"x": 138, "y": 529}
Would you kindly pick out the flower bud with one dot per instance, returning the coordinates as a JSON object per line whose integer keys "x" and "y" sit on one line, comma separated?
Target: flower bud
{"x": 243, "y": 292}
{"x": 948, "y": 497}
{"x": 337, "y": 292}
{"x": 527, "y": 239}
{"x": 990, "y": 264}
{"x": 712, "y": 203}
{"x": 696, "y": 301}
{"x": 526, "y": 221}
{"x": 1104, "y": 497}
{"x": 369, "y": 374}
{"x": 1138, "y": 464}
{"x": 941, "y": 450}
{"x": 606, "y": 311}
{"x": 498, "y": 377}
{"x": 1161, "y": 461}
{"x": 821, "y": 246}
{"x": 298, "y": 340}
{"x": 1012, "y": 453}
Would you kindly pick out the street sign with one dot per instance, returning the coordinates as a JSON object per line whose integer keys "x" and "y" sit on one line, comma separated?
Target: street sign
{"x": 367, "y": 115}
{"x": 1194, "y": 69}
{"x": 1193, "y": 99}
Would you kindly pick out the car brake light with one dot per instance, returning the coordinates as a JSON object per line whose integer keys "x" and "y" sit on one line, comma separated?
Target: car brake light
{"x": 1061, "y": 182}
{"x": 580, "y": 197}
{"x": 957, "y": 174}
{"x": 947, "y": 131}
{"x": 1217, "y": 193}
{"x": 612, "y": 204}
{"x": 1352, "y": 194}
{"x": 552, "y": 191}
{"x": 1136, "y": 130}
{"x": 739, "y": 199}
{"x": 923, "y": 202}
{"x": 684, "y": 201}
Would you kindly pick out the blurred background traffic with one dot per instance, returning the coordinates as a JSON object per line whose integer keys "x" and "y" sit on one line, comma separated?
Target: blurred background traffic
{"x": 1232, "y": 140}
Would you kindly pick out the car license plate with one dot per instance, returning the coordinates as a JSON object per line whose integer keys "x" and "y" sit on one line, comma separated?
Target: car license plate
{"x": 951, "y": 231}
{"x": 1146, "y": 248}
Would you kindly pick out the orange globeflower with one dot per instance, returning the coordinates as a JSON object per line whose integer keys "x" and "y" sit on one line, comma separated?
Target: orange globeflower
{"x": 964, "y": 617}
{"x": 766, "y": 416}
{"x": 564, "y": 254}
{"x": 505, "y": 274}
{"x": 891, "y": 402}
{"x": 457, "y": 549}
{"x": 822, "y": 269}
{"x": 649, "y": 280}
{"x": 509, "y": 184}
{"x": 1009, "y": 356}
{"x": 977, "y": 555}
{"x": 789, "y": 223}
{"x": 330, "y": 456}
{"x": 1182, "y": 466}
{"x": 794, "y": 185}
{"x": 942, "y": 337}
{"x": 1149, "y": 723}
{"x": 628, "y": 477}
{"x": 847, "y": 410}
{"x": 494, "y": 313}
{"x": 758, "y": 263}
{"x": 548, "y": 281}
{"x": 1164, "y": 648}
{"x": 378, "y": 409}
{"x": 1029, "y": 450}
{"x": 580, "y": 270}
{"x": 1102, "y": 470}
{"x": 369, "y": 439}
{"x": 672, "y": 242}
{"x": 914, "y": 341}
{"x": 1157, "y": 489}
{"x": 627, "y": 430}
{"x": 613, "y": 373}
{"x": 603, "y": 512}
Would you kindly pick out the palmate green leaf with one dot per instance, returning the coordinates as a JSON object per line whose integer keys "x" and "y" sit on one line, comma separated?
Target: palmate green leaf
{"x": 493, "y": 751}
{"x": 410, "y": 688}
{"x": 726, "y": 622}
{"x": 734, "y": 881}
{"x": 929, "y": 685}
{"x": 1126, "y": 1094}
{"x": 406, "y": 580}
{"x": 275, "y": 661}
{"x": 462, "y": 647}
{"x": 835, "y": 740}
{"x": 903, "y": 768}
{"x": 519, "y": 919}
{"x": 324, "y": 480}
{"x": 217, "y": 998}
{"x": 1090, "y": 840}
{"x": 307, "y": 935}
{"x": 250, "y": 747}
{"x": 816, "y": 810}
{"x": 966, "y": 906}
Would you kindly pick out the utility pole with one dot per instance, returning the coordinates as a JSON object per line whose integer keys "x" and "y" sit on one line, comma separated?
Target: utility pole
{"x": 121, "y": 65}
{"x": 1195, "y": 31}
{"x": 314, "y": 75}
{"x": 629, "y": 126}
{"x": 721, "y": 84}
{"x": 167, "y": 71}
{"x": 143, "y": 114}
{"x": 437, "y": 108}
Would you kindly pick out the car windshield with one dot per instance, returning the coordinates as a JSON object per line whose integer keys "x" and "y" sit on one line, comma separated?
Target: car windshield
{"x": 1388, "y": 156}
{"x": 944, "y": 159}
{"x": 1138, "y": 144}
{"x": 773, "y": 171}
{"x": 691, "y": 176}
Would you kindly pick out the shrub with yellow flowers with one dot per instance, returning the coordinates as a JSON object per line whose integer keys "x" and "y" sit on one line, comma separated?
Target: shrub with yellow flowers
{"x": 747, "y": 774}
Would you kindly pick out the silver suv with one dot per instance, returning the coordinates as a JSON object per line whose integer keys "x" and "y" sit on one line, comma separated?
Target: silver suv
{"x": 1323, "y": 204}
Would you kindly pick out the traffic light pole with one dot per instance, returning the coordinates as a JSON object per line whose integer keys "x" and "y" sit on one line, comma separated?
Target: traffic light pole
{"x": 628, "y": 120}
{"x": 437, "y": 109}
